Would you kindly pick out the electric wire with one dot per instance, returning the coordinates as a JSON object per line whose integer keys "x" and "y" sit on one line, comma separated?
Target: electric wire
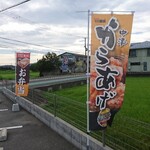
{"x": 28, "y": 43}
{"x": 17, "y": 17}
{"x": 43, "y": 27}
{"x": 14, "y": 5}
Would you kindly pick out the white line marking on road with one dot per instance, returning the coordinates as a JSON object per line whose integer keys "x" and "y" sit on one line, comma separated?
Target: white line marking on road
{"x": 14, "y": 127}
{"x": 3, "y": 109}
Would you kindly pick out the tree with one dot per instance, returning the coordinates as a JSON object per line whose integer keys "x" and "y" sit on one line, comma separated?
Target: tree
{"x": 33, "y": 67}
{"x": 49, "y": 62}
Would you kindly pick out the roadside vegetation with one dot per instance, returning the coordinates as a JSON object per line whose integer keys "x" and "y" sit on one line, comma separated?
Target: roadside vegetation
{"x": 10, "y": 74}
{"x": 131, "y": 126}
{"x": 136, "y": 101}
{"x": 47, "y": 64}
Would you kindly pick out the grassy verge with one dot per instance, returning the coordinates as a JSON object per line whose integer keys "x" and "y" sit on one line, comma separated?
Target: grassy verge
{"x": 131, "y": 126}
{"x": 136, "y": 101}
{"x": 10, "y": 74}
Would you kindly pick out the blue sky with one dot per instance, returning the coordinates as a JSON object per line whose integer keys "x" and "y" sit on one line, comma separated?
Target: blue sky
{"x": 58, "y": 26}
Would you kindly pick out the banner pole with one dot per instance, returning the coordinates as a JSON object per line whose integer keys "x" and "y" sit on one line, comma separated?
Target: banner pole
{"x": 88, "y": 76}
{"x": 103, "y": 137}
{"x": 15, "y": 72}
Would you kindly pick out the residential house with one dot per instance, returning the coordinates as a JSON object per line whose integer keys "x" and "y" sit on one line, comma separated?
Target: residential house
{"x": 139, "y": 57}
{"x": 138, "y": 62}
{"x": 72, "y": 62}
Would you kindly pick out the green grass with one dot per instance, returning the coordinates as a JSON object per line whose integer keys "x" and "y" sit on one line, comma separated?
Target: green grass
{"x": 7, "y": 75}
{"x": 10, "y": 74}
{"x": 131, "y": 126}
{"x": 77, "y": 93}
{"x": 136, "y": 101}
{"x": 34, "y": 75}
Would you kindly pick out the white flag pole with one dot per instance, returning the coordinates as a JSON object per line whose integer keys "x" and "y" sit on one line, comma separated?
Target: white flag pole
{"x": 88, "y": 77}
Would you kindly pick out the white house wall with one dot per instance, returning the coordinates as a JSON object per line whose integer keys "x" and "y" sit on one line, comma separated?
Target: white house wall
{"x": 141, "y": 56}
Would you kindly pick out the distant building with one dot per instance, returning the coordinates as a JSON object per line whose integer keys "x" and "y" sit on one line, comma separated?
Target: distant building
{"x": 139, "y": 57}
{"x": 138, "y": 62}
{"x": 72, "y": 62}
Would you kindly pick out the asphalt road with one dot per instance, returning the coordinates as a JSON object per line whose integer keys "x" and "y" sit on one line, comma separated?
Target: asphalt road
{"x": 34, "y": 135}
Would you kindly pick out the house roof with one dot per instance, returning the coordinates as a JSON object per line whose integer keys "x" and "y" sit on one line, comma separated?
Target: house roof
{"x": 72, "y": 54}
{"x": 140, "y": 45}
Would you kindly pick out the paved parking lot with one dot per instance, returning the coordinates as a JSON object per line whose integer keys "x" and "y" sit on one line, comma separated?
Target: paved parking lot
{"x": 31, "y": 134}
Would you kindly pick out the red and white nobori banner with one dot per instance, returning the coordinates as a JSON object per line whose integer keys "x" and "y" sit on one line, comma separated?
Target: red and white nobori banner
{"x": 22, "y": 73}
{"x": 110, "y": 42}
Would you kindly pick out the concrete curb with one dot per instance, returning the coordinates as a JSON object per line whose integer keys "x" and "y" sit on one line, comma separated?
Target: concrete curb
{"x": 3, "y": 134}
{"x": 15, "y": 107}
{"x": 69, "y": 132}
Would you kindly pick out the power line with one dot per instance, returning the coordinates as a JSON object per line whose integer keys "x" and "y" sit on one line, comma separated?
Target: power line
{"x": 24, "y": 42}
{"x": 14, "y": 16}
{"x": 10, "y": 43}
{"x": 14, "y": 40}
{"x": 14, "y": 5}
{"x": 4, "y": 46}
{"x": 28, "y": 43}
{"x": 29, "y": 21}
{"x": 20, "y": 18}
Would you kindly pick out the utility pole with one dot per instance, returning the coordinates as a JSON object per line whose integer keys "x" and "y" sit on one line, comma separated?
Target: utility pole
{"x": 85, "y": 45}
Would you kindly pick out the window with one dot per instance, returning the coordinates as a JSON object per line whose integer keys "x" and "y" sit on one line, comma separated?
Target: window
{"x": 148, "y": 52}
{"x": 145, "y": 66}
{"x": 132, "y": 53}
{"x": 135, "y": 63}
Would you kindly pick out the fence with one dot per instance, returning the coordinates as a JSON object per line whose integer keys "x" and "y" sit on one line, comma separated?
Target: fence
{"x": 125, "y": 134}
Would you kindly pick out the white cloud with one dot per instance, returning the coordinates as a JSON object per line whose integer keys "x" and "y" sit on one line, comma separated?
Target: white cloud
{"x": 17, "y": 27}
{"x": 57, "y": 24}
{"x": 35, "y": 6}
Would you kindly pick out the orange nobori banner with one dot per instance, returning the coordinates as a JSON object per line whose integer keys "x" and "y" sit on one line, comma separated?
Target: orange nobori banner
{"x": 22, "y": 73}
{"x": 110, "y": 42}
